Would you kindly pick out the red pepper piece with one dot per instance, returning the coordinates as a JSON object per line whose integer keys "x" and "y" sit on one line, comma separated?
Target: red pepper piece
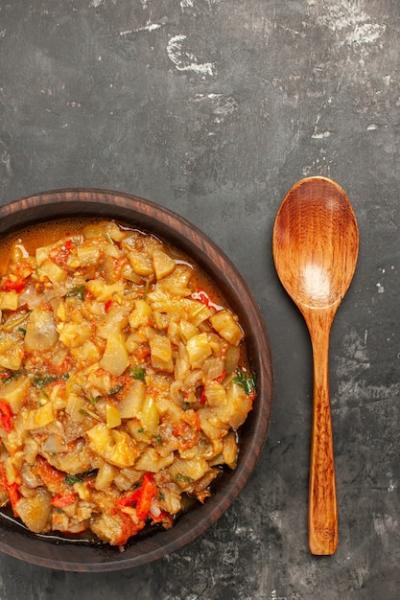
{"x": 128, "y": 528}
{"x": 68, "y": 245}
{"x": 201, "y": 297}
{"x": 203, "y": 397}
{"x": 142, "y": 497}
{"x": 108, "y": 305}
{"x": 13, "y": 286}
{"x": 221, "y": 377}
{"x": 60, "y": 501}
{"x": 50, "y": 476}
{"x": 149, "y": 491}
{"x": 6, "y": 415}
{"x": 12, "y": 490}
{"x": 130, "y": 499}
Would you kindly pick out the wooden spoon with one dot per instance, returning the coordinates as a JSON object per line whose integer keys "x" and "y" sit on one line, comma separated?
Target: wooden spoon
{"x": 315, "y": 248}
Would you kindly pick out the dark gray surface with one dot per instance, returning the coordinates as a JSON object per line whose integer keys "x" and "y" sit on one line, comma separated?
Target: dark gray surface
{"x": 215, "y": 108}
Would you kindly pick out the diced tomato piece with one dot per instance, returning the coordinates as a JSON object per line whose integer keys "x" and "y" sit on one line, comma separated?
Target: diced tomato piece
{"x": 68, "y": 245}
{"x": 8, "y": 285}
{"x": 60, "y": 501}
{"x": 6, "y": 415}
{"x": 108, "y": 305}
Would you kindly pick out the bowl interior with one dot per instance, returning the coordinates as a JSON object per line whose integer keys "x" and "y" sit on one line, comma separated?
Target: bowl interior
{"x": 152, "y": 218}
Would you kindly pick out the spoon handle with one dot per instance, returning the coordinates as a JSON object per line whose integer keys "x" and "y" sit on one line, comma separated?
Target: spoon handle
{"x": 322, "y": 515}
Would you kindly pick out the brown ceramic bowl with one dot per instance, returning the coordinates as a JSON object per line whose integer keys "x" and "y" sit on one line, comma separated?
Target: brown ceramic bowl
{"x": 148, "y": 216}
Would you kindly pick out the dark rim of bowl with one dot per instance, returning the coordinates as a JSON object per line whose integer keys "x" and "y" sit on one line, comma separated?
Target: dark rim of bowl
{"x": 156, "y": 219}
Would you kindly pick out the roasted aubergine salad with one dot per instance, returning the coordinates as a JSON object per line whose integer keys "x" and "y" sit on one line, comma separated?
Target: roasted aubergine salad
{"x": 123, "y": 383}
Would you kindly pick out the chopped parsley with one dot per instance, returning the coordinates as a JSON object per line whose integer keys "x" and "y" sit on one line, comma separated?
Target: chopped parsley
{"x": 71, "y": 479}
{"x": 161, "y": 496}
{"x": 42, "y": 380}
{"x": 138, "y": 373}
{"x": 78, "y": 292}
{"x": 246, "y": 381}
{"x": 22, "y": 330}
{"x": 140, "y": 430}
{"x": 158, "y": 439}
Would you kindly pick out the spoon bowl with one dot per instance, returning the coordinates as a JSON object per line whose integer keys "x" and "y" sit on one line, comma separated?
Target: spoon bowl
{"x": 315, "y": 243}
{"x": 315, "y": 249}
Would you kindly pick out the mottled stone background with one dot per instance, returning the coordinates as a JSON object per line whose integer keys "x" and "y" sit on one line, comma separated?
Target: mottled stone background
{"x": 214, "y": 108}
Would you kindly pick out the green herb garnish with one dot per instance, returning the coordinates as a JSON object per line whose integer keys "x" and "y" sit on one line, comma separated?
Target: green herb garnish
{"x": 186, "y": 405}
{"x": 138, "y": 373}
{"x": 42, "y": 380}
{"x": 78, "y": 292}
{"x": 140, "y": 430}
{"x": 183, "y": 478}
{"x": 158, "y": 439}
{"x": 93, "y": 399}
{"x": 71, "y": 479}
{"x": 161, "y": 496}
{"x": 246, "y": 381}
{"x": 22, "y": 330}
{"x": 8, "y": 376}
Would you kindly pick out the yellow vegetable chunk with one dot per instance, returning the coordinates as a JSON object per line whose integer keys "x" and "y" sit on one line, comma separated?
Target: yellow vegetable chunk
{"x": 150, "y": 417}
{"x": 163, "y": 264}
{"x": 113, "y": 417}
{"x": 74, "y": 335}
{"x": 176, "y": 284}
{"x": 230, "y": 450}
{"x": 41, "y": 333}
{"x": 8, "y": 300}
{"x": 215, "y": 393}
{"x": 141, "y": 263}
{"x": 40, "y": 417}
{"x": 186, "y": 471}
{"x": 35, "y": 510}
{"x": 105, "y": 476}
{"x": 161, "y": 353}
{"x": 225, "y": 324}
{"x": 15, "y": 392}
{"x": 116, "y": 447}
{"x": 131, "y": 405}
{"x": 187, "y": 330}
{"x": 11, "y": 352}
{"x": 42, "y": 254}
{"x": 151, "y": 461}
{"x": 88, "y": 254}
{"x": 198, "y": 350}
{"x": 115, "y": 358}
{"x": 140, "y": 315}
{"x": 103, "y": 229}
{"x": 87, "y": 353}
{"x": 53, "y": 272}
{"x": 104, "y": 291}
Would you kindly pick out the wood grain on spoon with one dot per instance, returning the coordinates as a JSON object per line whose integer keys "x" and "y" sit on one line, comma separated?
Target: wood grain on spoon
{"x": 315, "y": 248}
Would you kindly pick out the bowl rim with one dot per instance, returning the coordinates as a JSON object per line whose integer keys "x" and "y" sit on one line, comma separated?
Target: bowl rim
{"x": 19, "y": 213}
